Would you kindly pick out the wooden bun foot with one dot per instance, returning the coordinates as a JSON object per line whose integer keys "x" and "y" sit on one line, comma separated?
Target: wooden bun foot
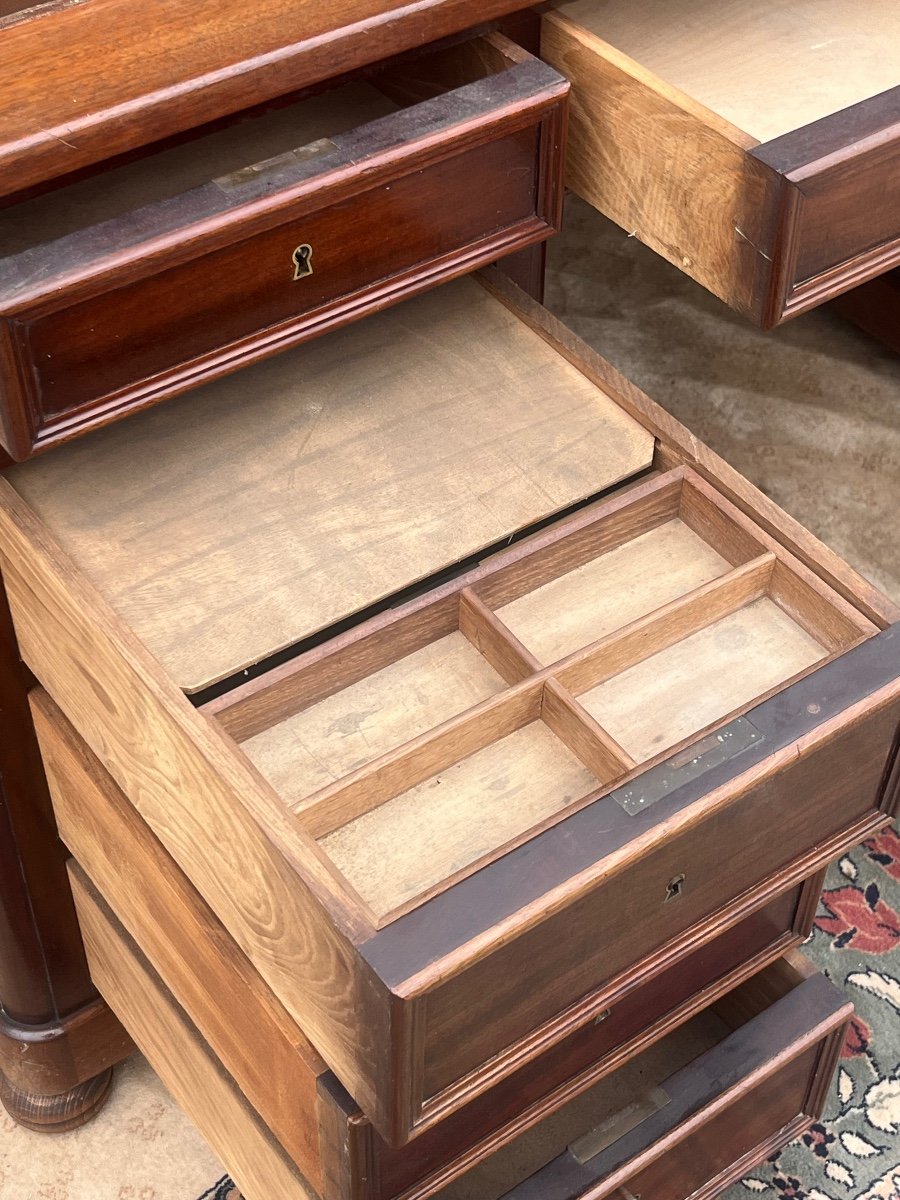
{"x": 56, "y": 1114}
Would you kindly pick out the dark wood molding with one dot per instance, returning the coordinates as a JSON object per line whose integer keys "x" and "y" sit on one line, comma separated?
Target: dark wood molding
{"x": 121, "y": 315}
{"x": 61, "y": 115}
{"x": 837, "y": 224}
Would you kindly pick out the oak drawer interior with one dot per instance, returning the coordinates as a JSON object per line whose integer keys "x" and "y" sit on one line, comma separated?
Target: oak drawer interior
{"x": 272, "y": 504}
{"x": 140, "y": 281}
{"x": 526, "y": 693}
{"x": 766, "y": 68}
{"x": 754, "y": 146}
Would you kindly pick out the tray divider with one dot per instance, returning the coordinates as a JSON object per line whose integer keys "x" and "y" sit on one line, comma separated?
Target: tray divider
{"x": 591, "y": 744}
{"x": 664, "y": 627}
{"x": 595, "y": 531}
{"x": 412, "y": 763}
{"x": 490, "y": 637}
{"x": 728, "y": 532}
{"x": 337, "y": 663}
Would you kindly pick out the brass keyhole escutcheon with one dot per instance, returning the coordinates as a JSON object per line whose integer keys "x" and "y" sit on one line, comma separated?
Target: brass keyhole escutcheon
{"x": 302, "y": 260}
{"x": 674, "y": 888}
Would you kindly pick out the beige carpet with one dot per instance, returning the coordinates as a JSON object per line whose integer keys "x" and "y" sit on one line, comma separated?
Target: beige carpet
{"x": 810, "y": 413}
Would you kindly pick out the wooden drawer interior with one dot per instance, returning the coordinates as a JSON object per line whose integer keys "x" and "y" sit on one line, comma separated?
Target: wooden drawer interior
{"x": 141, "y": 281}
{"x": 418, "y": 752}
{"x": 765, "y": 68}
{"x": 782, "y": 1028}
{"x": 754, "y": 146}
{"x": 203, "y": 523}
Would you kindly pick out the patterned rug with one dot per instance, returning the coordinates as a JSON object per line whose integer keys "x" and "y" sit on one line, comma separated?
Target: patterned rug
{"x": 854, "y": 1153}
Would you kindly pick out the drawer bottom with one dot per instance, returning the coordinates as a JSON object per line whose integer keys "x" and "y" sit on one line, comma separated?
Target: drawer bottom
{"x": 684, "y": 1118}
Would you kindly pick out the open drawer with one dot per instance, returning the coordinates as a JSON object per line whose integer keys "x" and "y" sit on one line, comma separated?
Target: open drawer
{"x": 696, "y": 1117}
{"x": 755, "y": 146}
{"x": 137, "y": 283}
{"x": 446, "y": 836}
{"x": 687, "y": 1116}
{"x": 316, "y": 1124}
{"x": 168, "y": 66}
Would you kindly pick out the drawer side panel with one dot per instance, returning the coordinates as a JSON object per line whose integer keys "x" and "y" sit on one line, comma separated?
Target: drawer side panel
{"x": 180, "y": 1057}
{"x": 277, "y": 1069}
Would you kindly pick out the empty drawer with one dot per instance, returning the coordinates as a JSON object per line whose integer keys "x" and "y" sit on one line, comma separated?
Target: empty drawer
{"x": 754, "y": 146}
{"x": 133, "y": 285}
{"x": 448, "y": 834}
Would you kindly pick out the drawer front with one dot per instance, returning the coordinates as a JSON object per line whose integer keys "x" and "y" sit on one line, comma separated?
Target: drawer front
{"x": 135, "y": 310}
{"x": 840, "y": 221}
{"x": 280, "y": 1073}
{"x": 772, "y": 225}
{"x": 715, "y": 1118}
{"x": 210, "y": 61}
{"x": 825, "y": 789}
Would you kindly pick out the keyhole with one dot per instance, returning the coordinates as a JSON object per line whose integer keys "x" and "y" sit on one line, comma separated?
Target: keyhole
{"x": 674, "y": 888}
{"x": 302, "y": 260}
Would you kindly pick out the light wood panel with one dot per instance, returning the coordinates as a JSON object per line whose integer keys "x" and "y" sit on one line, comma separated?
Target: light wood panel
{"x": 335, "y": 474}
{"x": 226, "y": 830}
{"x": 699, "y": 680}
{"x": 767, "y": 67}
{"x": 261, "y": 1046}
{"x": 415, "y": 841}
{"x": 179, "y": 168}
{"x": 610, "y": 591}
{"x": 180, "y": 1057}
{"x": 343, "y": 732}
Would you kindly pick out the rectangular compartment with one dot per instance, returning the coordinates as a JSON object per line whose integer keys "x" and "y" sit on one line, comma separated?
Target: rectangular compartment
{"x": 135, "y": 284}
{"x": 324, "y": 1134}
{"x": 753, "y": 146}
{"x": 558, "y": 668}
{"x": 351, "y": 806}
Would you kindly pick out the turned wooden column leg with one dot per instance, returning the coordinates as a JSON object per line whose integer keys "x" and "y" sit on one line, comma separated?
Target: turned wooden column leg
{"x": 58, "y": 1041}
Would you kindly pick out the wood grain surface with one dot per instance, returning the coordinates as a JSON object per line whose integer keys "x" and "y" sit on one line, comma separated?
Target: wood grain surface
{"x": 167, "y": 67}
{"x": 767, "y": 68}
{"x": 336, "y": 474}
{"x": 180, "y": 1057}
